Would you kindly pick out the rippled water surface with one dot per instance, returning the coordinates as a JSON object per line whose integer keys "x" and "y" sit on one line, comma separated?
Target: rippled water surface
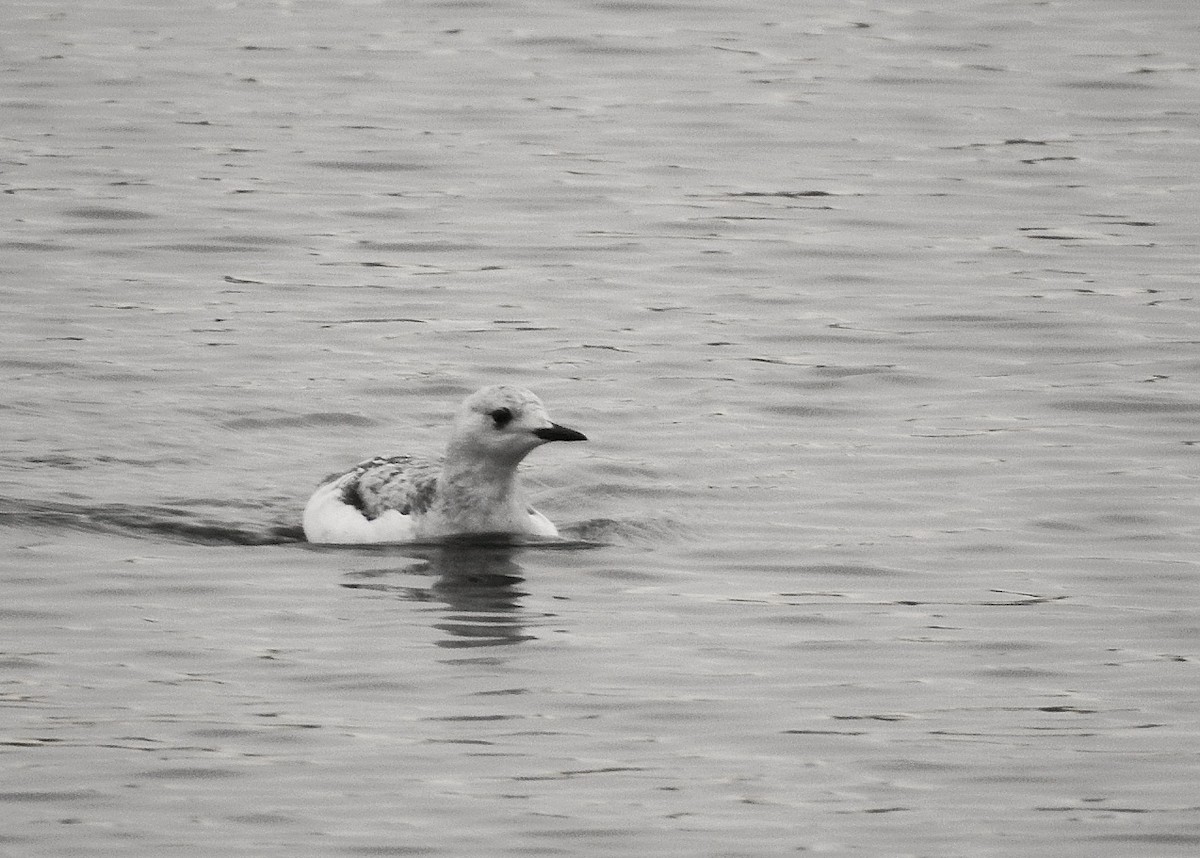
{"x": 882, "y": 322}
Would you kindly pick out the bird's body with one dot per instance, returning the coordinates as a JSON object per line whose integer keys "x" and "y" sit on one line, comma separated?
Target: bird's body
{"x": 473, "y": 489}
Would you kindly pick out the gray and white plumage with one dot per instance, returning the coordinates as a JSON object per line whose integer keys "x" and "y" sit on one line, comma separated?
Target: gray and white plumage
{"x": 473, "y": 489}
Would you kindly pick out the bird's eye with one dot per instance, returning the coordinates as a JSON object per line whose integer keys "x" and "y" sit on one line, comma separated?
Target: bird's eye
{"x": 501, "y": 417}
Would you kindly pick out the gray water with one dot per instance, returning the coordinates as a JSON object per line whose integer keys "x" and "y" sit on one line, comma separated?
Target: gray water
{"x": 882, "y": 322}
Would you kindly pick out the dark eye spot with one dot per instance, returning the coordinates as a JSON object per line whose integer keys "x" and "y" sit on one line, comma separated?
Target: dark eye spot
{"x": 502, "y": 417}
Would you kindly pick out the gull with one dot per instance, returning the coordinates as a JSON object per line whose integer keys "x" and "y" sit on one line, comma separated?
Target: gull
{"x": 473, "y": 489}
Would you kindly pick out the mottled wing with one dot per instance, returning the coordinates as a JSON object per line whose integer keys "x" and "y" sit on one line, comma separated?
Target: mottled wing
{"x": 406, "y": 484}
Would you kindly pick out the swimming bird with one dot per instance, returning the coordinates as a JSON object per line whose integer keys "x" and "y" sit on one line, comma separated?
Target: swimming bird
{"x": 473, "y": 489}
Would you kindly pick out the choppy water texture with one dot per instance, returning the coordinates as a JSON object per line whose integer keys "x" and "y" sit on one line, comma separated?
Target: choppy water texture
{"x": 881, "y": 318}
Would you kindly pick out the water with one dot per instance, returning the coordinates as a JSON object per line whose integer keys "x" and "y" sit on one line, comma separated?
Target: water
{"x": 881, "y": 322}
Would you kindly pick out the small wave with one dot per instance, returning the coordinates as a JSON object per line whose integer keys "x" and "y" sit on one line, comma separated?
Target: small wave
{"x": 314, "y": 420}
{"x": 162, "y": 522}
{"x": 624, "y": 531}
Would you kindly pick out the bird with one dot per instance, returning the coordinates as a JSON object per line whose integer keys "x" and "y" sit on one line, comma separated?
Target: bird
{"x": 473, "y": 489}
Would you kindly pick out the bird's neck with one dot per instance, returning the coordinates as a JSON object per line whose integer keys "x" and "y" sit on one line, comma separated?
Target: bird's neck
{"x": 479, "y": 478}
{"x": 480, "y": 494}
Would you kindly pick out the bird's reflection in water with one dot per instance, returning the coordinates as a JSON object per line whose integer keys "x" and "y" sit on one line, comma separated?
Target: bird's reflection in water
{"x": 477, "y": 586}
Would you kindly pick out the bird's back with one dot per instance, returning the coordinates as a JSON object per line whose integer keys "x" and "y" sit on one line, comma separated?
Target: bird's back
{"x": 375, "y": 501}
{"x": 407, "y": 484}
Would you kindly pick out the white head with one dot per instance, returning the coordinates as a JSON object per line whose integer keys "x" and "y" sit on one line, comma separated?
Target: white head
{"x": 503, "y": 424}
